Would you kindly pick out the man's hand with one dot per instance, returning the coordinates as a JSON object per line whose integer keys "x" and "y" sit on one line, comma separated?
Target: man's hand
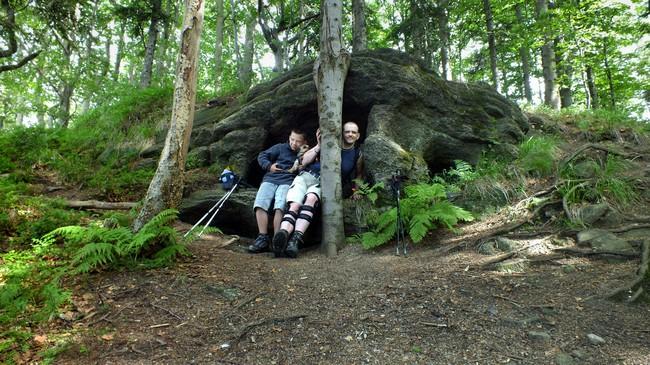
{"x": 275, "y": 168}
{"x": 355, "y": 195}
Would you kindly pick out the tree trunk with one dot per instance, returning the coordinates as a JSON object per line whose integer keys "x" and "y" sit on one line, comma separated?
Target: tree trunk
{"x": 565, "y": 73}
{"x": 218, "y": 46}
{"x": 551, "y": 95}
{"x": 524, "y": 57}
{"x": 119, "y": 52}
{"x": 417, "y": 33}
{"x": 246, "y": 65}
{"x": 65, "y": 99}
{"x": 161, "y": 60}
{"x": 492, "y": 44}
{"x": 166, "y": 187}
{"x": 235, "y": 36}
{"x": 359, "y": 38}
{"x": 330, "y": 72}
{"x": 150, "y": 48}
{"x": 591, "y": 88}
{"x": 608, "y": 72}
{"x": 443, "y": 34}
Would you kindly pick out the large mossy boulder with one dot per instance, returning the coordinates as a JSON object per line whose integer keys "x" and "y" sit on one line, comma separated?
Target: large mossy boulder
{"x": 411, "y": 119}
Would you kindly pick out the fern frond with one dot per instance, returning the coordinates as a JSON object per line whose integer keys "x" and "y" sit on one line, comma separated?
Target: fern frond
{"x": 449, "y": 214}
{"x": 419, "y": 225}
{"x": 426, "y": 192}
{"x": 94, "y": 255}
{"x": 160, "y": 220}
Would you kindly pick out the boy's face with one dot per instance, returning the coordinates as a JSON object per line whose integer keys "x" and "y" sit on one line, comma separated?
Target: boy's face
{"x": 296, "y": 140}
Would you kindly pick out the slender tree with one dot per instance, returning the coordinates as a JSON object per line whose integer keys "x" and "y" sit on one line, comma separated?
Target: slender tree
{"x": 551, "y": 94}
{"x": 166, "y": 187}
{"x": 150, "y": 48}
{"x": 359, "y": 37}
{"x": 443, "y": 35}
{"x": 218, "y": 45}
{"x": 492, "y": 44}
{"x": 524, "y": 54}
{"x": 330, "y": 71}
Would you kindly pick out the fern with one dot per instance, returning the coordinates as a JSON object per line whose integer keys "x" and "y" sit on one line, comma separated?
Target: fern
{"x": 423, "y": 208}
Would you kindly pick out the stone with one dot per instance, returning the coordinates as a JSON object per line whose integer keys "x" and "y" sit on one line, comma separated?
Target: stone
{"x": 506, "y": 245}
{"x": 595, "y": 339}
{"x": 410, "y": 118}
{"x": 539, "y": 336}
{"x": 562, "y": 358}
{"x": 590, "y": 214}
{"x": 601, "y": 240}
{"x": 512, "y": 265}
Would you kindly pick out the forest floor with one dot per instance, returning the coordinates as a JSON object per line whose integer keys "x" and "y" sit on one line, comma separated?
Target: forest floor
{"x": 225, "y": 306}
{"x": 442, "y": 304}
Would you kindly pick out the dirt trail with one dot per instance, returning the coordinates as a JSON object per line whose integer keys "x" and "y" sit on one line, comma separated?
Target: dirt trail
{"x": 224, "y": 306}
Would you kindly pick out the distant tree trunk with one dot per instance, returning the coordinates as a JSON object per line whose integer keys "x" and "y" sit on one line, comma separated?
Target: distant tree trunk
{"x": 150, "y": 48}
{"x": 565, "y": 71}
{"x": 525, "y": 58}
{"x": 119, "y": 53}
{"x": 218, "y": 46}
{"x": 591, "y": 88}
{"x": 359, "y": 38}
{"x": 551, "y": 95}
{"x": 417, "y": 33}
{"x": 65, "y": 99}
{"x": 166, "y": 187}
{"x": 246, "y": 64}
{"x": 443, "y": 34}
{"x": 161, "y": 60}
{"x": 608, "y": 72}
{"x": 492, "y": 44}
{"x": 330, "y": 72}
{"x": 235, "y": 35}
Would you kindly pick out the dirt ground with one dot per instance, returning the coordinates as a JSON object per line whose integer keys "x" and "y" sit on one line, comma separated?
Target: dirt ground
{"x": 225, "y": 306}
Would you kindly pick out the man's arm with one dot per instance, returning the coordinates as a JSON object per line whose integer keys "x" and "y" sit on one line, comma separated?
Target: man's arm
{"x": 310, "y": 155}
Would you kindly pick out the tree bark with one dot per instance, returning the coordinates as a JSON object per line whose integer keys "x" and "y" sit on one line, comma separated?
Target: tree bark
{"x": 218, "y": 46}
{"x": 359, "y": 37}
{"x": 608, "y": 72}
{"x": 492, "y": 44}
{"x": 524, "y": 57}
{"x": 565, "y": 73}
{"x": 150, "y": 48}
{"x": 443, "y": 34}
{"x": 166, "y": 187}
{"x": 330, "y": 72}
{"x": 591, "y": 88}
{"x": 551, "y": 94}
{"x": 246, "y": 64}
{"x": 119, "y": 53}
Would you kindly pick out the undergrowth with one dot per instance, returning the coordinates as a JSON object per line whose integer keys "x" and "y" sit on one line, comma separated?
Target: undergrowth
{"x": 31, "y": 280}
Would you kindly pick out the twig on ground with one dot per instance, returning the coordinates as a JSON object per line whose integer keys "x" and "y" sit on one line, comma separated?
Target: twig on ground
{"x": 637, "y": 284}
{"x": 248, "y": 327}
{"x": 589, "y": 252}
{"x": 166, "y": 310}
{"x": 507, "y": 299}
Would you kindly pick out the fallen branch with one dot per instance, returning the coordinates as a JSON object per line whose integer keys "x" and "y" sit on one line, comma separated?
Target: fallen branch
{"x": 96, "y": 204}
{"x": 248, "y": 327}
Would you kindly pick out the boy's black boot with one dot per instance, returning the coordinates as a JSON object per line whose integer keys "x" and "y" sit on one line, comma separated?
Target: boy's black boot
{"x": 294, "y": 243}
{"x": 280, "y": 242}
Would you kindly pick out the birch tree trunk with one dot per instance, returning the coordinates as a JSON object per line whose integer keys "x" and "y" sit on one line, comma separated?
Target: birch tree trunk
{"x": 330, "y": 71}
{"x": 359, "y": 37}
{"x": 608, "y": 73}
{"x": 150, "y": 48}
{"x": 524, "y": 57}
{"x": 492, "y": 44}
{"x": 166, "y": 187}
{"x": 218, "y": 46}
{"x": 551, "y": 94}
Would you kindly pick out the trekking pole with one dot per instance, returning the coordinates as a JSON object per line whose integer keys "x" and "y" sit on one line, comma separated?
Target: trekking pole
{"x": 222, "y": 200}
{"x": 396, "y": 181}
{"x": 217, "y": 205}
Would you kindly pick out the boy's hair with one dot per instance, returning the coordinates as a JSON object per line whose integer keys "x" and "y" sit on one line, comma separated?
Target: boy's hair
{"x": 299, "y": 131}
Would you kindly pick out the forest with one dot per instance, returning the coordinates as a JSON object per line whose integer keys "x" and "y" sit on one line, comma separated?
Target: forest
{"x": 524, "y": 146}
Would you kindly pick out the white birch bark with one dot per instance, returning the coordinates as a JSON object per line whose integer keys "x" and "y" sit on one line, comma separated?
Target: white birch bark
{"x": 166, "y": 187}
{"x": 330, "y": 72}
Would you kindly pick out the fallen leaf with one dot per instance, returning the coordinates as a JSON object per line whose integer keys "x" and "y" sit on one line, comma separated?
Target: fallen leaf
{"x": 107, "y": 337}
{"x": 40, "y": 339}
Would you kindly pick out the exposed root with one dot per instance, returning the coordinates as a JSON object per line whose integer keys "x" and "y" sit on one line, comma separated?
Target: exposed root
{"x": 639, "y": 285}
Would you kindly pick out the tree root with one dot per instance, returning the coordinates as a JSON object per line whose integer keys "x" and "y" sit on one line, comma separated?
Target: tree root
{"x": 95, "y": 204}
{"x": 640, "y": 283}
{"x": 595, "y": 146}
